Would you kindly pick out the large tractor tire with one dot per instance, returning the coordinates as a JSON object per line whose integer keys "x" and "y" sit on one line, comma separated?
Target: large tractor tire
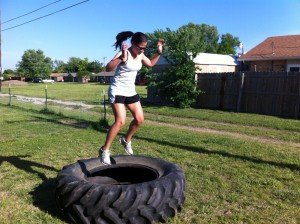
{"x": 135, "y": 190}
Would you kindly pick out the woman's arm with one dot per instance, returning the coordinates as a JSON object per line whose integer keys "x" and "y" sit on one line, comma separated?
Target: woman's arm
{"x": 119, "y": 58}
{"x": 151, "y": 62}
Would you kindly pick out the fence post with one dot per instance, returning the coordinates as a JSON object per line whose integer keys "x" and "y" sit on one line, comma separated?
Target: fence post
{"x": 104, "y": 105}
{"x": 222, "y": 92}
{"x": 46, "y": 94}
{"x": 9, "y": 92}
{"x": 297, "y": 106}
{"x": 241, "y": 86}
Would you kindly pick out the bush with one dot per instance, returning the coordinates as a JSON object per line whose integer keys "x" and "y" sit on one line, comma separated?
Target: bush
{"x": 177, "y": 84}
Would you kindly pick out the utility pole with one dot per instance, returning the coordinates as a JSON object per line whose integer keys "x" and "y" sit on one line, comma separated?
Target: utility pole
{"x": 1, "y": 70}
{"x": 104, "y": 68}
{"x": 104, "y": 61}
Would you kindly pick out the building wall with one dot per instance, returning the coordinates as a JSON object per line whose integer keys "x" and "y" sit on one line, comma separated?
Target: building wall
{"x": 293, "y": 65}
{"x": 267, "y": 66}
{"x": 215, "y": 68}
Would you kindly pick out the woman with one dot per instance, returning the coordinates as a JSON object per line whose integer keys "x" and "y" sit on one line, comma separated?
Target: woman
{"x": 122, "y": 92}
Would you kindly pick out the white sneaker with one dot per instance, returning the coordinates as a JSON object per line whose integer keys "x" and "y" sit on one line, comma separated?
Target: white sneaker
{"x": 127, "y": 145}
{"x": 105, "y": 156}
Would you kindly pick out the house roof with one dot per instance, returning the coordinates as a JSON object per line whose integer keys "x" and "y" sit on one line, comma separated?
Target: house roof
{"x": 71, "y": 74}
{"x": 112, "y": 73}
{"x": 55, "y": 75}
{"x": 275, "y": 48}
{"x": 64, "y": 74}
{"x": 215, "y": 59}
{"x": 206, "y": 59}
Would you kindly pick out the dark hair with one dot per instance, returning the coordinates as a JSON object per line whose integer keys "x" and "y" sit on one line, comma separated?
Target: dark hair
{"x": 137, "y": 38}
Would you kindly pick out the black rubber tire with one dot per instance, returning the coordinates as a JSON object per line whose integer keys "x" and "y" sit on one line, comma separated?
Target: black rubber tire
{"x": 135, "y": 189}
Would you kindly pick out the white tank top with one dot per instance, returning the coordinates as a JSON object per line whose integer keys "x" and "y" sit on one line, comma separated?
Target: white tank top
{"x": 123, "y": 82}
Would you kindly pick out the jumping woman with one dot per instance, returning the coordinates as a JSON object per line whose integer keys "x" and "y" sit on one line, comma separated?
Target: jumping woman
{"x": 122, "y": 94}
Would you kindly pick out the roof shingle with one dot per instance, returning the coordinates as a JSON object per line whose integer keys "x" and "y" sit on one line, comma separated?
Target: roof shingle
{"x": 275, "y": 48}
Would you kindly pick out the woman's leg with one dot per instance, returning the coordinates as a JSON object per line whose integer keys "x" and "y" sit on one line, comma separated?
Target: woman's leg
{"x": 138, "y": 118}
{"x": 120, "y": 116}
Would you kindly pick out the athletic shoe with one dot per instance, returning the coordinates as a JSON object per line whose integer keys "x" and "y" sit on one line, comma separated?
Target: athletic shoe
{"x": 105, "y": 156}
{"x": 126, "y": 145}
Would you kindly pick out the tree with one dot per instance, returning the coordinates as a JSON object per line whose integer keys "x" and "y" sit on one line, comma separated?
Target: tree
{"x": 178, "y": 84}
{"x": 35, "y": 64}
{"x": 77, "y": 64}
{"x": 95, "y": 67}
{"x": 228, "y": 44}
{"x": 8, "y": 73}
{"x": 59, "y": 66}
{"x": 83, "y": 74}
{"x": 199, "y": 38}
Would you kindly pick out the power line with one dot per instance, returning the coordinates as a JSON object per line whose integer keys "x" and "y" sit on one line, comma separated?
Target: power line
{"x": 45, "y": 16}
{"x": 31, "y": 12}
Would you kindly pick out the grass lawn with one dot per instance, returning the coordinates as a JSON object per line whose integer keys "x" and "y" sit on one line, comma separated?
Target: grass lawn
{"x": 88, "y": 93}
{"x": 230, "y": 178}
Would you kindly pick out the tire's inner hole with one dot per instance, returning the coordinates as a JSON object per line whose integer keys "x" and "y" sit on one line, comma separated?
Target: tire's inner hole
{"x": 122, "y": 175}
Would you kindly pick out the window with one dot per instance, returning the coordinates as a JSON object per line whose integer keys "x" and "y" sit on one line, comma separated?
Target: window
{"x": 294, "y": 69}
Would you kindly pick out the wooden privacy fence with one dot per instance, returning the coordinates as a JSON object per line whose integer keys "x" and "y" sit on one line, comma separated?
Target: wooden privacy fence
{"x": 263, "y": 93}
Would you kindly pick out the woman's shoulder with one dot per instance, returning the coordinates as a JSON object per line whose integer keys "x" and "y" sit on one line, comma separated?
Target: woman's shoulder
{"x": 138, "y": 57}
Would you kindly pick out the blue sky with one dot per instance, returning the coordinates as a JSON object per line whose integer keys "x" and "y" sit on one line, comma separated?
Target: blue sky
{"x": 89, "y": 29}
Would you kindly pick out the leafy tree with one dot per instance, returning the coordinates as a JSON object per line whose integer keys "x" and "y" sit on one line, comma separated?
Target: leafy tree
{"x": 59, "y": 66}
{"x": 95, "y": 67}
{"x": 178, "y": 84}
{"x": 35, "y": 64}
{"x": 77, "y": 64}
{"x": 228, "y": 44}
{"x": 83, "y": 74}
{"x": 199, "y": 38}
{"x": 8, "y": 71}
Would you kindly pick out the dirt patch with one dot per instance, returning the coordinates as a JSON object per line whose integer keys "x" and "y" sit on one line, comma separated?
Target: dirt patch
{"x": 14, "y": 82}
{"x": 231, "y": 134}
{"x": 40, "y": 101}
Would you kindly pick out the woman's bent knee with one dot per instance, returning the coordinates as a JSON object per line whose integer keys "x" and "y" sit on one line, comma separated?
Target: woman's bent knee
{"x": 139, "y": 120}
{"x": 120, "y": 123}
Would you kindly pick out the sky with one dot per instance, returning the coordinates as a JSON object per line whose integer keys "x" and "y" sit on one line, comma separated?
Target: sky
{"x": 88, "y": 30}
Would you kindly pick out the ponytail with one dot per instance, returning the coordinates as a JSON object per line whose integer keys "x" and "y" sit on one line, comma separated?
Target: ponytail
{"x": 122, "y": 37}
{"x": 137, "y": 38}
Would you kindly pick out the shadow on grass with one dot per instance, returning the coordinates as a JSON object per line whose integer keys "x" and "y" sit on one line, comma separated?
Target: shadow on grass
{"x": 43, "y": 194}
{"x": 26, "y": 165}
{"x": 43, "y": 197}
{"x": 59, "y": 118}
{"x": 202, "y": 150}
{"x": 96, "y": 125}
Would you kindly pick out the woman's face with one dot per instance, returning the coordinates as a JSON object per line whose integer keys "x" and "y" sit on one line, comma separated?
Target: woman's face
{"x": 139, "y": 48}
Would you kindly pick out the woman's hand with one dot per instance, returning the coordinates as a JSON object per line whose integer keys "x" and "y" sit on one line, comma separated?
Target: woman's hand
{"x": 124, "y": 55}
{"x": 160, "y": 45}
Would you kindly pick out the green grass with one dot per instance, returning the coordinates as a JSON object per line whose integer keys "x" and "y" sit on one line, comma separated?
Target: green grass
{"x": 229, "y": 117}
{"x": 88, "y": 93}
{"x": 230, "y": 179}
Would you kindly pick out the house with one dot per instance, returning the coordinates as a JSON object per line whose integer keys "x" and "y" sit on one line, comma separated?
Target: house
{"x": 64, "y": 77}
{"x": 215, "y": 63}
{"x": 205, "y": 63}
{"x": 70, "y": 77}
{"x": 104, "y": 77}
{"x": 275, "y": 54}
{"x": 57, "y": 77}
